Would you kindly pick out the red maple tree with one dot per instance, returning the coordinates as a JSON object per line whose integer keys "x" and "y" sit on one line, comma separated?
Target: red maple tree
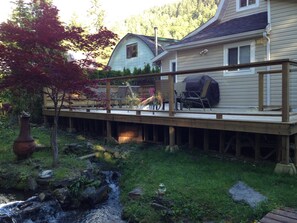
{"x": 34, "y": 55}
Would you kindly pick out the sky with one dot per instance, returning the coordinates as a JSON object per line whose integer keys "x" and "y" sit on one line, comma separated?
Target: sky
{"x": 115, "y": 10}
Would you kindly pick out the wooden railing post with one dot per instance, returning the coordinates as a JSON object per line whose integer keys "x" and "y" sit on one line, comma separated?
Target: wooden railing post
{"x": 260, "y": 91}
{"x": 108, "y": 96}
{"x": 285, "y": 92}
{"x": 171, "y": 95}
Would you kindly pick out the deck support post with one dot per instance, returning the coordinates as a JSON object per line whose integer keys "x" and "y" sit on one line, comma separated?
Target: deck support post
{"x": 257, "y": 147}
{"x": 70, "y": 128}
{"x": 171, "y": 136}
{"x": 285, "y": 167}
{"x": 178, "y": 136}
{"x": 145, "y": 133}
{"x": 295, "y": 149}
{"x": 206, "y": 140}
{"x": 108, "y": 130}
{"x": 191, "y": 138}
{"x": 172, "y": 147}
{"x": 155, "y": 134}
{"x": 222, "y": 141}
{"x": 238, "y": 145}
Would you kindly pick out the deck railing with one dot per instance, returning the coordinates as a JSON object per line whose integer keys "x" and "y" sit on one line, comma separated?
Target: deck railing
{"x": 282, "y": 68}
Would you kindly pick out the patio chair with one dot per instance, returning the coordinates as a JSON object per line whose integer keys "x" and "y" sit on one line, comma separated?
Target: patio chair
{"x": 120, "y": 95}
{"x": 162, "y": 87}
{"x": 190, "y": 98}
{"x": 179, "y": 88}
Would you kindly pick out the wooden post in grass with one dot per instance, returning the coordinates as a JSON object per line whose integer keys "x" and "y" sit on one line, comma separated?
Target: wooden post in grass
{"x": 171, "y": 136}
{"x": 206, "y": 140}
{"x": 285, "y": 166}
{"x": 257, "y": 147}
{"x": 238, "y": 146}
{"x": 70, "y": 125}
{"x": 108, "y": 130}
{"x": 191, "y": 138}
{"x": 222, "y": 141}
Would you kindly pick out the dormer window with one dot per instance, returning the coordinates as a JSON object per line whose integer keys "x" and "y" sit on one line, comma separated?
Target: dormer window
{"x": 131, "y": 50}
{"x": 246, "y": 4}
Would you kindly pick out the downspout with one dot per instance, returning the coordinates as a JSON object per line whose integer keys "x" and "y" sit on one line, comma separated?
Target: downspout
{"x": 156, "y": 41}
{"x": 268, "y": 53}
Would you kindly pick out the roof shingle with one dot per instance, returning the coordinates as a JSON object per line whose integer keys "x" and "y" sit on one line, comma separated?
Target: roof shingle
{"x": 231, "y": 27}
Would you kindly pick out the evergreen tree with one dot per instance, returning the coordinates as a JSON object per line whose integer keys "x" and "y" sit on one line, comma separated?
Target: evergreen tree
{"x": 174, "y": 20}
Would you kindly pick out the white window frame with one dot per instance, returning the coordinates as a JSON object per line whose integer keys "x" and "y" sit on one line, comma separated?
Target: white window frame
{"x": 128, "y": 56}
{"x": 252, "y": 58}
{"x": 239, "y": 9}
{"x": 171, "y": 67}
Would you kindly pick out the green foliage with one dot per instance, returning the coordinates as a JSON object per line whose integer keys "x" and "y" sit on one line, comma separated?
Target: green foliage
{"x": 174, "y": 20}
{"x": 82, "y": 183}
{"x": 147, "y": 69}
{"x": 198, "y": 186}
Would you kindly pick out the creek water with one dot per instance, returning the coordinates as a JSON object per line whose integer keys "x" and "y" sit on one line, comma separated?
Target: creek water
{"x": 107, "y": 212}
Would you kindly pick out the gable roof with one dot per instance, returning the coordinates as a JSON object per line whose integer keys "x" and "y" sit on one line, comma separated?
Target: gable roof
{"x": 217, "y": 29}
{"x": 150, "y": 42}
{"x": 231, "y": 27}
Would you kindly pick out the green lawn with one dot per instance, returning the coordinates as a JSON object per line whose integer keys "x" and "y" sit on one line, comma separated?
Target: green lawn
{"x": 198, "y": 186}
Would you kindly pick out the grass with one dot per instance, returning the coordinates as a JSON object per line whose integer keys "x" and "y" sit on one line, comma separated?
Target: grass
{"x": 18, "y": 172}
{"x": 198, "y": 186}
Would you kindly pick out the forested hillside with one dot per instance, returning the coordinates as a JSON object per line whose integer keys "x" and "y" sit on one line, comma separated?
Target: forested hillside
{"x": 173, "y": 20}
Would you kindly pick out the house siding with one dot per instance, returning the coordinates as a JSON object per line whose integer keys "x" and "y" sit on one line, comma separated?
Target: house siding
{"x": 283, "y": 45}
{"x": 230, "y": 12}
{"x": 119, "y": 60}
{"x": 241, "y": 91}
{"x": 166, "y": 61}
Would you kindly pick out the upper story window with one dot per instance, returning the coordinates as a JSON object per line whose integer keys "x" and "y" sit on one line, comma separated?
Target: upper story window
{"x": 240, "y": 53}
{"x": 131, "y": 50}
{"x": 246, "y": 4}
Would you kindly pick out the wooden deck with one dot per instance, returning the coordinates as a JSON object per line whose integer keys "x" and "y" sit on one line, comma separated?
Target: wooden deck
{"x": 243, "y": 120}
{"x": 175, "y": 127}
{"x": 283, "y": 215}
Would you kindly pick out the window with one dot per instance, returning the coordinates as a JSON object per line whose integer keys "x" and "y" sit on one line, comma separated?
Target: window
{"x": 131, "y": 50}
{"x": 246, "y": 4}
{"x": 239, "y": 54}
{"x": 172, "y": 65}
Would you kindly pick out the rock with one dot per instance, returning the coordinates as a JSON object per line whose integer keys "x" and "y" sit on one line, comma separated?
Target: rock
{"x": 42, "y": 196}
{"x": 32, "y": 184}
{"x": 46, "y": 174}
{"x": 90, "y": 146}
{"x": 5, "y": 219}
{"x": 92, "y": 196}
{"x": 136, "y": 193}
{"x": 63, "y": 196}
{"x": 117, "y": 155}
{"x": 241, "y": 192}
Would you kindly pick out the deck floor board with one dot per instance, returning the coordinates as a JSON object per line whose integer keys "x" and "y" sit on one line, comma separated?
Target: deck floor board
{"x": 283, "y": 215}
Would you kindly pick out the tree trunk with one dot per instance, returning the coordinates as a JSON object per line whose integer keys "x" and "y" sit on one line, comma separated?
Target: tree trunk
{"x": 54, "y": 144}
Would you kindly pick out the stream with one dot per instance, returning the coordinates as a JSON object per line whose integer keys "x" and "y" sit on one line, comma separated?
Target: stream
{"x": 107, "y": 212}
